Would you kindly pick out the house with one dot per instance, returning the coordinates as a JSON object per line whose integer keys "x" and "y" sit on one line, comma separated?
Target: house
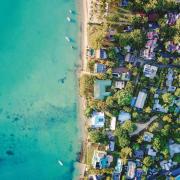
{"x": 172, "y": 47}
{"x": 101, "y": 54}
{"x": 148, "y": 53}
{"x": 148, "y": 136}
{"x": 139, "y": 173}
{"x": 90, "y": 53}
{"x": 116, "y": 176}
{"x": 101, "y": 160}
{"x": 174, "y": 148}
{"x": 158, "y": 107}
{"x": 118, "y": 167}
{"x": 141, "y": 100}
{"x": 97, "y": 120}
{"x": 111, "y": 146}
{"x": 150, "y": 71}
{"x": 139, "y": 154}
{"x": 99, "y": 68}
{"x": 119, "y": 84}
{"x": 124, "y": 116}
{"x": 151, "y": 151}
{"x": 172, "y": 18}
{"x": 131, "y": 170}
{"x": 113, "y": 124}
{"x": 167, "y": 165}
{"x": 100, "y": 89}
{"x": 169, "y": 81}
{"x": 121, "y": 72}
{"x": 130, "y": 58}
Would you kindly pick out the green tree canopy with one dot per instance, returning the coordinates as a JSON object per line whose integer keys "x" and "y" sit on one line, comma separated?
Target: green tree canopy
{"x": 148, "y": 161}
{"x": 122, "y": 137}
{"x": 129, "y": 126}
{"x": 98, "y": 136}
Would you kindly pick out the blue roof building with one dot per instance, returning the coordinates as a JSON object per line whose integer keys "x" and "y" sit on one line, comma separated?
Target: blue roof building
{"x": 99, "y": 68}
{"x": 124, "y": 116}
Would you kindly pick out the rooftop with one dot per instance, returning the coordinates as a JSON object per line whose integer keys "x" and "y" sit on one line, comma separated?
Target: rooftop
{"x": 141, "y": 100}
{"x": 124, "y": 116}
{"x": 97, "y": 120}
{"x": 100, "y": 89}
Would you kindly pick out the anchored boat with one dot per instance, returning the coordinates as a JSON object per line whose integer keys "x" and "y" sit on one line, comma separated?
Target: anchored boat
{"x": 60, "y": 163}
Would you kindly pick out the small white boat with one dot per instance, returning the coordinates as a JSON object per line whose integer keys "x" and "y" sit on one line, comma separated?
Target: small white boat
{"x": 70, "y": 11}
{"x": 60, "y": 163}
{"x": 67, "y": 39}
{"x": 69, "y": 19}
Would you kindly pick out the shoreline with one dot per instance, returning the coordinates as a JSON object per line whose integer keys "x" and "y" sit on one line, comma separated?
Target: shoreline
{"x": 82, "y": 102}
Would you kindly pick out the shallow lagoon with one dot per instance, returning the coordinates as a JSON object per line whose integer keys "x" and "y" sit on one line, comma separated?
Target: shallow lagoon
{"x": 38, "y": 102}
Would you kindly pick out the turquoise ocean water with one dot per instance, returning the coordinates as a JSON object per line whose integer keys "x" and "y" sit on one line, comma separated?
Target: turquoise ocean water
{"x": 38, "y": 94}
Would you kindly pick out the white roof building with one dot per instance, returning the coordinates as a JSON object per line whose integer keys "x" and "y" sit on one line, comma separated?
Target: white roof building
{"x": 119, "y": 84}
{"x": 113, "y": 124}
{"x": 97, "y": 120}
{"x": 141, "y": 100}
{"x": 150, "y": 71}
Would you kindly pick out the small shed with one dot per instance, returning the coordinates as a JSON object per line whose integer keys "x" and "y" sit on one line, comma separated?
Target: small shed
{"x": 113, "y": 124}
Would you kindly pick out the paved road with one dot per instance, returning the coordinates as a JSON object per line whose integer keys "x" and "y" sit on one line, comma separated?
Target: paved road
{"x": 141, "y": 127}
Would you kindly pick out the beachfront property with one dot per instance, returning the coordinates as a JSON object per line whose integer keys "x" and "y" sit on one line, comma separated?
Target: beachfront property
{"x": 99, "y": 68}
{"x": 100, "y": 89}
{"x": 101, "y": 54}
{"x": 172, "y": 18}
{"x": 150, "y": 71}
{"x": 97, "y": 120}
{"x": 101, "y": 160}
{"x": 123, "y": 117}
{"x": 141, "y": 100}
